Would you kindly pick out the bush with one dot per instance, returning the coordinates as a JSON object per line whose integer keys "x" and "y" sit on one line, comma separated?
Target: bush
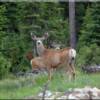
{"x": 4, "y": 66}
{"x": 88, "y": 55}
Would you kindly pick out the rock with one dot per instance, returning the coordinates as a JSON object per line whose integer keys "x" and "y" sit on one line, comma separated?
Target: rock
{"x": 62, "y": 97}
{"x": 82, "y": 95}
{"x": 78, "y": 90}
{"x": 55, "y": 95}
{"x": 86, "y": 89}
{"x": 71, "y": 96}
{"x": 47, "y": 93}
{"x": 77, "y": 93}
{"x": 91, "y": 69}
{"x": 95, "y": 93}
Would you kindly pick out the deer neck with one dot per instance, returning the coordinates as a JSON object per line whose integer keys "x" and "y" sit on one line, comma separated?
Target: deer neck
{"x": 40, "y": 50}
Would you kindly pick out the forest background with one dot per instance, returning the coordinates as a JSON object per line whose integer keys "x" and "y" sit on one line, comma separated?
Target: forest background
{"x": 18, "y": 19}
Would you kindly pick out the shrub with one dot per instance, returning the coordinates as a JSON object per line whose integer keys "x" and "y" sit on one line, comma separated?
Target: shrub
{"x": 88, "y": 55}
{"x": 4, "y": 66}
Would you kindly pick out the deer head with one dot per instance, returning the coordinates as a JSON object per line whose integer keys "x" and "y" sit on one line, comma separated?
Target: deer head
{"x": 39, "y": 39}
{"x": 39, "y": 42}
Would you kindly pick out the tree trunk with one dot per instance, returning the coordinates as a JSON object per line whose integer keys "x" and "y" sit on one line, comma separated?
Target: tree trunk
{"x": 72, "y": 23}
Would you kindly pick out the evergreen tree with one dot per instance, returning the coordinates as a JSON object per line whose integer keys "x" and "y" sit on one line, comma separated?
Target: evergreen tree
{"x": 89, "y": 37}
{"x": 4, "y": 61}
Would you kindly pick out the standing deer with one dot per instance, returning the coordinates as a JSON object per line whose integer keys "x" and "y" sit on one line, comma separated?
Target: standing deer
{"x": 50, "y": 59}
{"x": 39, "y": 43}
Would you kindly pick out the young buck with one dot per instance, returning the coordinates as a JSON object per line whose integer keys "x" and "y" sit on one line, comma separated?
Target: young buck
{"x": 50, "y": 59}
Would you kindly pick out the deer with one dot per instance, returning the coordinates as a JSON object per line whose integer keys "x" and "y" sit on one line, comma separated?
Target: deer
{"x": 38, "y": 51}
{"x": 39, "y": 43}
{"x": 50, "y": 59}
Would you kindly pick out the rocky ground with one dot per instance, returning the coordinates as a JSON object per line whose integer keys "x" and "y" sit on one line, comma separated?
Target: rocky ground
{"x": 77, "y": 93}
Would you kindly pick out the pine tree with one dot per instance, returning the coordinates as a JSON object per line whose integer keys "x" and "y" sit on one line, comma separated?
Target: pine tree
{"x": 4, "y": 61}
{"x": 91, "y": 26}
{"x": 89, "y": 43}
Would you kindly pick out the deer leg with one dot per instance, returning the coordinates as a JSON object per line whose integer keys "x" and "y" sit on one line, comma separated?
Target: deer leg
{"x": 72, "y": 69}
{"x": 74, "y": 74}
{"x": 69, "y": 72}
{"x": 49, "y": 73}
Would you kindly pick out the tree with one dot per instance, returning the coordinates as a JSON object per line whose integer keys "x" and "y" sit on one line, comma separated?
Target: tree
{"x": 4, "y": 61}
{"x": 89, "y": 39}
{"x": 89, "y": 32}
{"x": 72, "y": 23}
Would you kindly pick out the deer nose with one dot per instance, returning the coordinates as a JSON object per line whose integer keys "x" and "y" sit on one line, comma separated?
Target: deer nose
{"x": 38, "y": 43}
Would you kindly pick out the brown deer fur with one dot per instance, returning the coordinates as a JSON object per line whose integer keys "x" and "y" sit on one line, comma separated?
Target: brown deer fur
{"x": 53, "y": 59}
{"x": 29, "y": 55}
{"x": 50, "y": 58}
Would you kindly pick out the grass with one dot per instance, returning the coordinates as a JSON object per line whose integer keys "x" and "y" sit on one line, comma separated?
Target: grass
{"x": 22, "y": 87}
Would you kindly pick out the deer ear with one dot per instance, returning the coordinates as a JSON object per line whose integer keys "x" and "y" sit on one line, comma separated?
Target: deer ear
{"x": 46, "y": 35}
{"x": 33, "y": 36}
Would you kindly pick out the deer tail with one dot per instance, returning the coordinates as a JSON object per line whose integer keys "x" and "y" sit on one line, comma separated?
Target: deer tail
{"x": 72, "y": 54}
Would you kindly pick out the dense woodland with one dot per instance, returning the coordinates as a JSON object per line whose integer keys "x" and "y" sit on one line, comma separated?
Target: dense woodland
{"x": 17, "y": 20}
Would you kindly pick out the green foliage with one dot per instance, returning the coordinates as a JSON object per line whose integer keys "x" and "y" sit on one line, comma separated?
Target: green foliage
{"x": 88, "y": 55}
{"x": 4, "y": 66}
{"x": 19, "y": 88}
{"x": 86, "y": 31}
{"x": 90, "y": 29}
{"x": 16, "y": 83}
{"x": 17, "y": 20}
{"x": 3, "y": 18}
{"x": 89, "y": 39}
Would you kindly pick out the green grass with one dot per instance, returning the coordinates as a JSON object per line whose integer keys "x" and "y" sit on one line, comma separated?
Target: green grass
{"x": 19, "y": 88}
{"x": 62, "y": 84}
